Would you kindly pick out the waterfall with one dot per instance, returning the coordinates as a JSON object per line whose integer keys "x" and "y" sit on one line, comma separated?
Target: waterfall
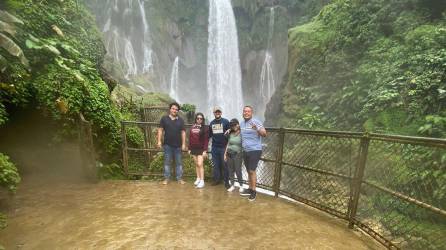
{"x": 147, "y": 60}
{"x": 174, "y": 80}
{"x": 127, "y": 38}
{"x": 267, "y": 82}
{"x": 223, "y": 65}
{"x": 130, "y": 59}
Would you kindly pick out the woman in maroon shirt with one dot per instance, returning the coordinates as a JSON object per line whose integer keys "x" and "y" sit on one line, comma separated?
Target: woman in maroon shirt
{"x": 198, "y": 147}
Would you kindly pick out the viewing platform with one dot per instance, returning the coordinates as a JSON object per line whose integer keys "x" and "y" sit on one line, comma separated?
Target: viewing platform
{"x": 149, "y": 215}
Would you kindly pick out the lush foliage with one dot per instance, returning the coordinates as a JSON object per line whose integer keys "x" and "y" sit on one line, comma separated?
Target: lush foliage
{"x": 378, "y": 66}
{"x": 374, "y": 65}
{"x": 64, "y": 50}
{"x": 9, "y": 176}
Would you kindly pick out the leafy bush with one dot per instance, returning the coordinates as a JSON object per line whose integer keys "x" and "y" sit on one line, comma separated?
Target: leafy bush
{"x": 64, "y": 49}
{"x": 9, "y": 176}
{"x": 358, "y": 63}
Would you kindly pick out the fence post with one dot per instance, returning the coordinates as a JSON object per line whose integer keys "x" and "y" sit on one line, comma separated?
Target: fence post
{"x": 149, "y": 141}
{"x": 278, "y": 166}
{"x": 357, "y": 179}
{"x": 124, "y": 150}
{"x": 86, "y": 149}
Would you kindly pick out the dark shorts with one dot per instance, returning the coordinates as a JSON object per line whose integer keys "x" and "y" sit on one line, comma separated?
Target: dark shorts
{"x": 251, "y": 159}
{"x": 196, "y": 151}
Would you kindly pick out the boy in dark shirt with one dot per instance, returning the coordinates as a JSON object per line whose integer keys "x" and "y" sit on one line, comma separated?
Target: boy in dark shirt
{"x": 174, "y": 141}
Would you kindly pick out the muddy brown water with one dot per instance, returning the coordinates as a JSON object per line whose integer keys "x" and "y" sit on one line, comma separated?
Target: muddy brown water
{"x": 148, "y": 215}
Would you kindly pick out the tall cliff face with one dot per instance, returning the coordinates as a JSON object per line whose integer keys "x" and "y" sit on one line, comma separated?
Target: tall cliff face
{"x": 262, "y": 28}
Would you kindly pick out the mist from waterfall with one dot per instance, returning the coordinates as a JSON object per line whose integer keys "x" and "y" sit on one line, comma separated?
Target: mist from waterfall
{"x": 174, "y": 81}
{"x": 223, "y": 63}
{"x": 267, "y": 81}
{"x": 127, "y": 39}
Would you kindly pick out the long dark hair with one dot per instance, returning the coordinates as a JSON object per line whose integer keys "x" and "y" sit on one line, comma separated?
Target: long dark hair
{"x": 203, "y": 126}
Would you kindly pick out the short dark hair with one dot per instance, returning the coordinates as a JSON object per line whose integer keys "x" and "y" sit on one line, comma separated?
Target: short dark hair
{"x": 247, "y": 106}
{"x": 174, "y": 104}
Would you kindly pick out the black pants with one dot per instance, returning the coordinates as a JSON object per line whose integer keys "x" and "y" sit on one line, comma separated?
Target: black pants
{"x": 234, "y": 162}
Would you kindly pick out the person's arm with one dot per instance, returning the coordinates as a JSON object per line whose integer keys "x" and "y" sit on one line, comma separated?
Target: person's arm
{"x": 206, "y": 142}
{"x": 259, "y": 128}
{"x": 159, "y": 135}
{"x": 183, "y": 140}
{"x": 190, "y": 141}
{"x": 226, "y": 151}
{"x": 262, "y": 132}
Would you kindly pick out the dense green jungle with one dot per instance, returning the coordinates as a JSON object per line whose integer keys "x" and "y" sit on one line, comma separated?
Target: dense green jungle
{"x": 352, "y": 65}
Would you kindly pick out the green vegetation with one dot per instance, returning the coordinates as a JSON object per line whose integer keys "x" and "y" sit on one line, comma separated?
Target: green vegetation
{"x": 373, "y": 65}
{"x": 9, "y": 176}
{"x": 378, "y": 66}
{"x": 64, "y": 50}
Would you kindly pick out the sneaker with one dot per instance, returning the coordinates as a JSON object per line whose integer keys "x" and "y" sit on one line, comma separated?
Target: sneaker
{"x": 196, "y": 181}
{"x": 230, "y": 189}
{"x": 246, "y": 192}
{"x": 200, "y": 184}
{"x": 252, "y": 196}
{"x": 241, "y": 189}
{"x": 165, "y": 181}
{"x": 227, "y": 186}
{"x": 181, "y": 182}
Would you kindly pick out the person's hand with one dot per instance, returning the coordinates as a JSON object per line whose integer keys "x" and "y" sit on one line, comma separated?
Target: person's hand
{"x": 183, "y": 147}
{"x": 158, "y": 145}
{"x": 188, "y": 151}
{"x": 253, "y": 126}
{"x": 227, "y": 132}
{"x": 225, "y": 158}
{"x": 205, "y": 154}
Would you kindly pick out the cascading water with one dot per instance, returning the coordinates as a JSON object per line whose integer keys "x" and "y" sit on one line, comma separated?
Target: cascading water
{"x": 223, "y": 64}
{"x": 147, "y": 61}
{"x": 127, "y": 38}
{"x": 174, "y": 80}
{"x": 130, "y": 59}
{"x": 267, "y": 81}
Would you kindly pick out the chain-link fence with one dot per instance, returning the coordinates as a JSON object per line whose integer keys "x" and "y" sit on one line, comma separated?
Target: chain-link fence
{"x": 392, "y": 187}
{"x": 152, "y": 114}
{"x": 86, "y": 149}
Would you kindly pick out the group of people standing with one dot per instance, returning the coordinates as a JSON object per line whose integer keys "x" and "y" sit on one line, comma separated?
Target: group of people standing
{"x": 233, "y": 142}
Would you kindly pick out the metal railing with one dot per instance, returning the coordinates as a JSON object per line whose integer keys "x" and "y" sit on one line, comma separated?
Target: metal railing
{"x": 391, "y": 187}
{"x": 86, "y": 149}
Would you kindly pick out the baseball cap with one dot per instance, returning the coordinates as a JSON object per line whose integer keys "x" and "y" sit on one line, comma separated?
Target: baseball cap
{"x": 216, "y": 108}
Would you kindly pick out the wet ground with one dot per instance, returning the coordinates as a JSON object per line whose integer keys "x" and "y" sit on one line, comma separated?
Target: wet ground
{"x": 148, "y": 215}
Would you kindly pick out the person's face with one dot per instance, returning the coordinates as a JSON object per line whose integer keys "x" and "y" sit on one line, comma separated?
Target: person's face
{"x": 247, "y": 113}
{"x": 235, "y": 127}
{"x": 217, "y": 114}
{"x": 173, "y": 110}
{"x": 199, "y": 119}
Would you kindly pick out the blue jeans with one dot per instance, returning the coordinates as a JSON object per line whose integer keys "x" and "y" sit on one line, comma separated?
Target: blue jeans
{"x": 219, "y": 165}
{"x": 169, "y": 153}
